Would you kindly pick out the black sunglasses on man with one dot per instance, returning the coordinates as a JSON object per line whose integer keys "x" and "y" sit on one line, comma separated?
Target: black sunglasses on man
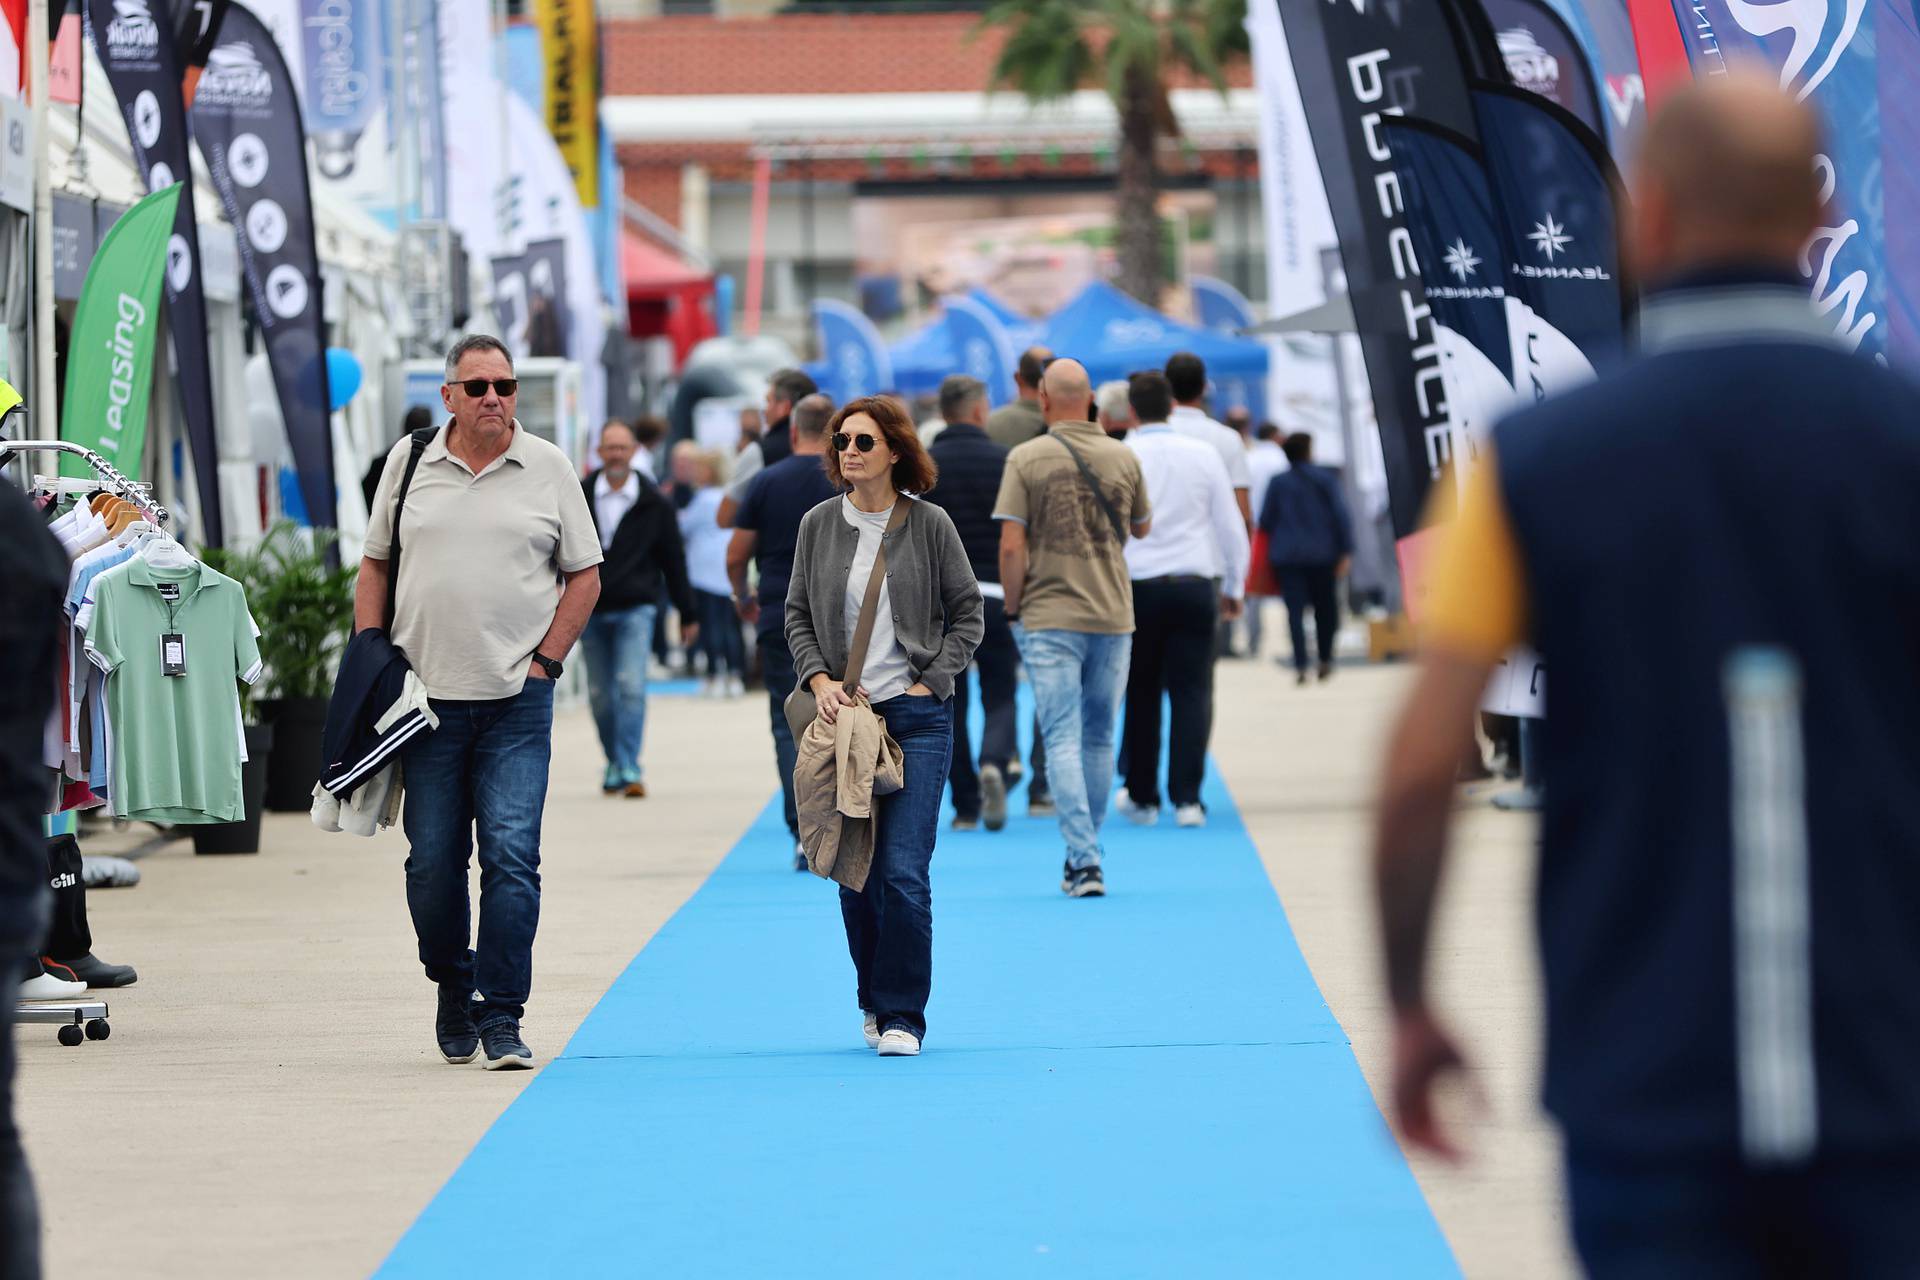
{"x": 477, "y": 387}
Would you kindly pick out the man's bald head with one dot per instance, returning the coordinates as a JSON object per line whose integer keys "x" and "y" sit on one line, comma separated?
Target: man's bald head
{"x": 1726, "y": 175}
{"x": 1066, "y": 393}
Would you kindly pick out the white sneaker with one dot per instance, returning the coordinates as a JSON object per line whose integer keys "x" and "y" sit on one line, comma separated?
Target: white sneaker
{"x": 899, "y": 1043}
{"x": 709, "y": 687}
{"x": 870, "y": 1028}
{"x": 736, "y": 687}
{"x": 1138, "y": 814}
{"x": 1190, "y": 815}
{"x": 44, "y": 986}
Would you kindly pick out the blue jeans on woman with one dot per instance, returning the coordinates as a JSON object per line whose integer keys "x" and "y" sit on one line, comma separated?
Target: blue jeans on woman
{"x": 616, "y": 644}
{"x": 721, "y": 639}
{"x": 483, "y": 770}
{"x": 890, "y": 922}
{"x": 1077, "y": 679}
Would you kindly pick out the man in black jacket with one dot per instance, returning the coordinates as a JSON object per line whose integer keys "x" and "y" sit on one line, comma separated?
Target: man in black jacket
{"x": 640, "y": 533}
{"x": 30, "y": 591}
{"x": 971, "y": 465}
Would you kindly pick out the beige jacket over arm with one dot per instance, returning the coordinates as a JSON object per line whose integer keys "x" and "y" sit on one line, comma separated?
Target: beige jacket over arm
{"x": 838, "y": 770}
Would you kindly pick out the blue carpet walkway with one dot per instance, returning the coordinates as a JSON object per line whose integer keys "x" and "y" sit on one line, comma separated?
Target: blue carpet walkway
{"x": 1146, "y": 1085}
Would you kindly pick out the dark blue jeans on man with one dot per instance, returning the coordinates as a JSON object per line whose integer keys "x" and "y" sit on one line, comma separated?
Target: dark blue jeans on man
{"x": 998, "y": 660}
{"x": 890, "y": 922}
{"x": 1836, "y": 1215}
{"x": 776, "y": 667}
{"x": 481, "y": 777}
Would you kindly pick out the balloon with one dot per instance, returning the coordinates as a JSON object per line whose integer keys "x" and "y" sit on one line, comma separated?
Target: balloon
{"x": 343, "y": 377}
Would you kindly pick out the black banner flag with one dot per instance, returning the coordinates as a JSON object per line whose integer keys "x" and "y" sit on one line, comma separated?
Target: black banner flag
{"x": 134, "y": 40}
{"x": 1358, "y": 65}
{"x": 1544, "y": 57}
{"x": 247, "y": 119}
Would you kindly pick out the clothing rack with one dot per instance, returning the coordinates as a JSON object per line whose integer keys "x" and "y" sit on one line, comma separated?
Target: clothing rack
{"x": 84, "y": 1018}
{"x": 140, "y": 495}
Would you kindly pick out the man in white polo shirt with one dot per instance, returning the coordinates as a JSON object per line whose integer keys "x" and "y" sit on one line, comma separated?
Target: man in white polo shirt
{"x": 1187, "y": 375}
{"x": 497, "y": 576}
{"x": 1190, "y": 571}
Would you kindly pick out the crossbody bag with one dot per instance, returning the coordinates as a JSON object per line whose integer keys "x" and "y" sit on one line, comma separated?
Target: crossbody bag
{"x": 1093, "y": 483}
{"x": 801, "y": 706}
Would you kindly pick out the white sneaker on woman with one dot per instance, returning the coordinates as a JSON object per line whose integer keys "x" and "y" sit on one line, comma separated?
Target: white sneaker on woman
{"x": 870, "y": 1029}
{"x": 899, "y": 1042}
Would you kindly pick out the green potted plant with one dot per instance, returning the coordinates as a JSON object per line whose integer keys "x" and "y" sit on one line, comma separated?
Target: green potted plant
{"x": 304, "y": 607}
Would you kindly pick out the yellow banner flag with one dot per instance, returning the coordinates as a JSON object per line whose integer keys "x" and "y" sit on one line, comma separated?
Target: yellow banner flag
{"x": 569, "y": 39}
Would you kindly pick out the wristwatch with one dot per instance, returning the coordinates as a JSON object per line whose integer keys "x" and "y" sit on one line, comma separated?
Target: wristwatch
{"x": 549, "y": 665}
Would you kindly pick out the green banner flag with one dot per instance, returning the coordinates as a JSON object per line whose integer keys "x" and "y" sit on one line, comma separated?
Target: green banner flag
{"x": 110, "y": 356}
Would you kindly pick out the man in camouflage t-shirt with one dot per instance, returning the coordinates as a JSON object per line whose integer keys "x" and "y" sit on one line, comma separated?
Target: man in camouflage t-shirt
{"x": 1071, "y": 601}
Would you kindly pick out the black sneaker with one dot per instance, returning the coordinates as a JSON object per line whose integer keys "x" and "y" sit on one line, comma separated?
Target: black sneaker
{"x": 1039, "y": 804}
{"x": 993, "y": 797}
{"x": 506, "y": 1051}
{"x": 1084, "y": 883}
{"x": 453, "y": 1026}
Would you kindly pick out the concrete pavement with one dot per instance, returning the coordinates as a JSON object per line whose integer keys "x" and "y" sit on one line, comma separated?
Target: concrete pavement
{"x": 271, "y": 1104}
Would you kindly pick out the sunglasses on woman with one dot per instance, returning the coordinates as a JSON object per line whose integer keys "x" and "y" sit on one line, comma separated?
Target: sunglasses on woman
{"x": 477, "y": 387}
{"x": 863, "y": 442}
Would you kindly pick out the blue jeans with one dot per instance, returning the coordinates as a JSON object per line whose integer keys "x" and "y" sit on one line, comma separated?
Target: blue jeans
{"x": 890, "y": 922}
{"x": 721, "y": 639}
{"x": 1077, "y": 679}
{"x": 616, "y": 645}
{"x": 776, "y": 667}
{"x": 484, "y": 769}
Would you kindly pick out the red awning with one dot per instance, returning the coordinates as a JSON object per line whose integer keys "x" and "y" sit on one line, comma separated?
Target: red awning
{"x": 651, "y": 271}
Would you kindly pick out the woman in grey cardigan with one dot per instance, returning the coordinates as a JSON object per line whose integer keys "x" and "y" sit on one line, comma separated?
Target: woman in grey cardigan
{"x": 926, "y": 627}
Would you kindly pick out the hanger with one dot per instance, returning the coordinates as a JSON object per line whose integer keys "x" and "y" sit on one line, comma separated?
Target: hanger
{"x": 100, "y": 500}
{"x": 163, "y": 551}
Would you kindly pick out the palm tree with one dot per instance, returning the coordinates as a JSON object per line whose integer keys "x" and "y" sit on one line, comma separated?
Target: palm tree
{"x": 1129, "y": 48}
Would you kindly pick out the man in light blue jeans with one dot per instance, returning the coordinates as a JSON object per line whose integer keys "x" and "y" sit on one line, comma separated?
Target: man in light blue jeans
{"x": 1078, "y": 678}
{"x": 1068, "y": 500}
{"x": 617, "y": 645}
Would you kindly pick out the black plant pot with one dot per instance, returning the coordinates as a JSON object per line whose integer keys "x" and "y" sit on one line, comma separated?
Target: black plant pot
{"x": 294, "y": 764}
{"x": 242, "y": 836}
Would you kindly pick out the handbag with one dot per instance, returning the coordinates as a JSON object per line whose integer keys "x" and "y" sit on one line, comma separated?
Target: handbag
{"x": 801, "y": 706}
{"x": 1093, "y": 483}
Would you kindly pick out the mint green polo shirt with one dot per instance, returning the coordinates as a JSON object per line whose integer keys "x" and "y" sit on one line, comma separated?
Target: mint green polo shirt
{"x": 176, "y": 744}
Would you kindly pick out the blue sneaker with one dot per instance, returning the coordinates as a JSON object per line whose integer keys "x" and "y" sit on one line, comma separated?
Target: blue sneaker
{"x": 453, "y": 1026}
{"x": 612, "y": 782}
{"x": 506, "y": 1051}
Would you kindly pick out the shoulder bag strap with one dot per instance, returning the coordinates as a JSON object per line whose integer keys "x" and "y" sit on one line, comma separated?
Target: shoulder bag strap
{"x": 1093, "y": 483}
{"x": 421, "y": 439}
{"x": 870, "y": 603}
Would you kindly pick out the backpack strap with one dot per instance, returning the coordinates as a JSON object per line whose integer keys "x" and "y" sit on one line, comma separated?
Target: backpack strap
{"x": 421, "y": 439}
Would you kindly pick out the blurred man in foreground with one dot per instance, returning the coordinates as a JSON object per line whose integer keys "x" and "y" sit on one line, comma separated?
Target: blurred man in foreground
{"x": 1729, "y": 906}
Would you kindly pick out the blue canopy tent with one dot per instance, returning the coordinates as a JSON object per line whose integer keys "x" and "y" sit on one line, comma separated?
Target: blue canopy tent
{"x": 1113, "y": 335}
{"x": 927, "y": 355}
{"x": 924, "y": 357}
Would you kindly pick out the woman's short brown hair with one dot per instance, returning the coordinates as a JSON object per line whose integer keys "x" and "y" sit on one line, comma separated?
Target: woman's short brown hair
{"x": 913, "y": 470}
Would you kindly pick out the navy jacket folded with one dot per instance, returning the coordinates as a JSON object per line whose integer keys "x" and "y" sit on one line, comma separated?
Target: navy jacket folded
{"x": 372, "y": 677}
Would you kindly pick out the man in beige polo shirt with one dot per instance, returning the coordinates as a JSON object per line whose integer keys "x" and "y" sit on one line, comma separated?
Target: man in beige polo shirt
{"x": 497, "y": 577}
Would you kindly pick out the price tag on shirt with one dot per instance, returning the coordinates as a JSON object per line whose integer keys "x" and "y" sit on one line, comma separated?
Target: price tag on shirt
{"x": 173, "y": 654}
